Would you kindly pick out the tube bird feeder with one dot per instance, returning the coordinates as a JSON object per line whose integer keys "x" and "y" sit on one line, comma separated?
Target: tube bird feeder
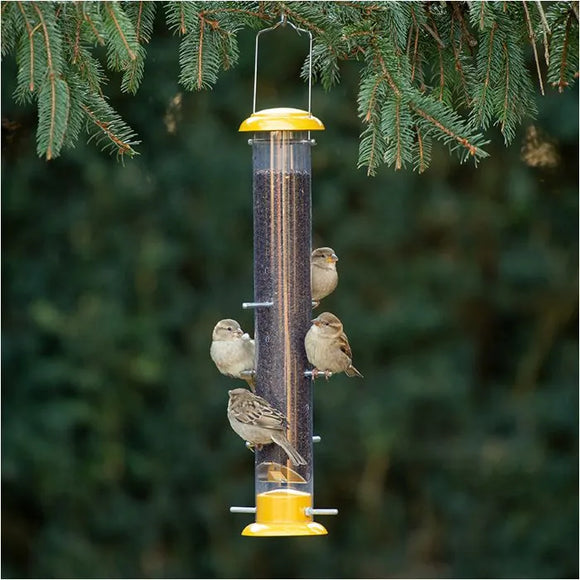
{"x": 281, "y": 151}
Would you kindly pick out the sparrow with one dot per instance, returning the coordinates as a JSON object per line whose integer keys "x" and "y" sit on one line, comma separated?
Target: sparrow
{"x": 256, "y": 421}
{"x": 233, "y": 351}
{"x": 323, "y": 274}
{"x": 327, "y": 346}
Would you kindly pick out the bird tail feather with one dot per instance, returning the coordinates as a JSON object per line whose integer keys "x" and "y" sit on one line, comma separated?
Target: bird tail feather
{"x": 352, "y": 372}
{"x": 294, "y": 456}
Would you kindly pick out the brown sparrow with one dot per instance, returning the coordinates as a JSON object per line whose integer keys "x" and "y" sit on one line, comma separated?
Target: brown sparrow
{"x": 233, "y": 351}
{"x": 256, "y": 421}
{"x": 327, "y": 346}
{"x": 323, "y": 274}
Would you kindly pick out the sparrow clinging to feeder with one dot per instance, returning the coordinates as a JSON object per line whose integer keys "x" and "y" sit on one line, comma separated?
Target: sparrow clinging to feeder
{"x": 324, "y": 276}
{"x": 327, "y": 346}
{"x": 233, "y": 351}
{"x": 256, "y": 421}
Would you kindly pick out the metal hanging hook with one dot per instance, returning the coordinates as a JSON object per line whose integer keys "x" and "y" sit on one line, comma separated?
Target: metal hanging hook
{"x": 283, "y": 22}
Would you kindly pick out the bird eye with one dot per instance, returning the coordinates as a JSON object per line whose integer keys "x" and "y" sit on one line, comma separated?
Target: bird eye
{"x": 230, "y": 328}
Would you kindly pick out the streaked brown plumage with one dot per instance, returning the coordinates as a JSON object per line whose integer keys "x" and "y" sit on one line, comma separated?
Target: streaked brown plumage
{"x": 256, "y": 421}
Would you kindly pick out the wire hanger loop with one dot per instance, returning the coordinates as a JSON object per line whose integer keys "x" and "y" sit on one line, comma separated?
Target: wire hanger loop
{"x": 284, "y": 22}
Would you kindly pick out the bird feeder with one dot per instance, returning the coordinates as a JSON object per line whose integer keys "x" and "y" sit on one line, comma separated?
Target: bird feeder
{"x": 281, "y": 151}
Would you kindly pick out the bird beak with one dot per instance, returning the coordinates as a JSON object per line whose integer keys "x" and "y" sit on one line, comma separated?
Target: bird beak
{"x": 316, "y": 322}
{"x": 332, "y": 258}
{"x": 240, "y": 332}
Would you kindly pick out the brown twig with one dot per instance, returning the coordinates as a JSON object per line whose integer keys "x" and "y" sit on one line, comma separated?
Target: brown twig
{"x": 546, "y": 32}
{"x": 99, "y": 38}
{"x": 138, "y": 23}
{"x": 200, "y": 52}
{"x": 422, "y": 163}
{"x": 415, "y": 46}
{"x": 561, "y": 82}
{"x": 434, "y": 33}
{"x": 471, "y": 42}
{"x": 507, "y": 82}
{"x": 182, "y": 28}
{"x": 440, "y": 46}
{"x": 104, "y": 126}
{"x": 458, "y": 66}
{"x": 388, "y": 76}
{"x": 111, "y": 12}
{"x": 298, "y": 19}
{"x": 398, "y": 161}
{"x": 372, "y": 99}
{"x": 461, "y": 140}
{"x": 488, "y": 70}
{"x": 574, "y": 7}
{"x": 532, "y": 38}
{"x": 371, "y": 157}
{"x": 52, "y": 81}
{"x": 77, "y": 36}
{"x": 30, "y": 32}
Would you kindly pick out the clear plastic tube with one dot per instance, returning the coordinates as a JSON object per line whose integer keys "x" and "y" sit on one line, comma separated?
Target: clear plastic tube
{"x": 282, "y": 247}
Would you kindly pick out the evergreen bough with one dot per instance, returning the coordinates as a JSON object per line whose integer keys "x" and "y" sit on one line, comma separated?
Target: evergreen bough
{"x": 429, "y": 70}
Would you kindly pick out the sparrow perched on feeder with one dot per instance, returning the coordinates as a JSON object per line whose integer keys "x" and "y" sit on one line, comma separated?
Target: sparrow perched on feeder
{"x": 256, "y": 421}
{"x": 323, "y": 274}
{"x": 233, "y": 351}
{"x": 327, "y": 347}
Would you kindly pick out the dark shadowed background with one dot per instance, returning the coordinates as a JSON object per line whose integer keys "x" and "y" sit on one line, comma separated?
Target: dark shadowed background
{"x": 457, "y": 456}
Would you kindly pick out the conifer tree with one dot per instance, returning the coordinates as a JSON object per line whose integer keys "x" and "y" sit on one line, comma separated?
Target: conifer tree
{"x": 445, "y": 71}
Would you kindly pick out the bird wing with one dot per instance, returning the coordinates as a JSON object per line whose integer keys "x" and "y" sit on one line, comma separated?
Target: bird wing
{"x": 258, "y": 411}
{"x": 344, "y": 346}
{"x": 272, "y": 418}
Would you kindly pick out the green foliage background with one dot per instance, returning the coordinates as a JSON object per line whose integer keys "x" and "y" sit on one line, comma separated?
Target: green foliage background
{"x": 457, "y": 456}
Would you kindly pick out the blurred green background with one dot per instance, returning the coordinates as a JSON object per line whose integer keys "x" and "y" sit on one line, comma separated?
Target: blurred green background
{"x": 457, "y": 456}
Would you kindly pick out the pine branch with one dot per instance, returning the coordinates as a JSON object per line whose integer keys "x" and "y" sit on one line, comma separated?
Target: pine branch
{"x": 563, "y": 45}
{"x": 81, "y": 60}
{"x": 425, "y": 67}
{"x": 371, "y": 149}
{"x": 545, "y": 30}
{"x": 422, "y": 150}
{"x": 481, "y": 106}
{"x": 30, "y": 31}
{"x": 11, "y": 21}
{"x": 295, "y": 16}
{"x": 54, "y": 97}
{"x": 94, "y": 23}
{"x": 467, "y": 37}
{"x": 108, "y": 129}
{"x": 457, "y": 61}
{"x": 114, "y": 14}
{"x": 564, "y": 58}
{"x": 53, "y": 115}
{"x": 449, "y": 134}
{"x": 180, "y": 16}
{"x": 142, "y": 15}
{"x": 532, "y": 38}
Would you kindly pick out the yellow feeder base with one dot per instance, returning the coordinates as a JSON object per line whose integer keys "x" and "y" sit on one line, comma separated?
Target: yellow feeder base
{"x": 282, "y": 512}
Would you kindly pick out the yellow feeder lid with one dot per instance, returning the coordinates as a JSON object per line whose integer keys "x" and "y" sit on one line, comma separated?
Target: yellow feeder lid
{"x": 282, "y": 119}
